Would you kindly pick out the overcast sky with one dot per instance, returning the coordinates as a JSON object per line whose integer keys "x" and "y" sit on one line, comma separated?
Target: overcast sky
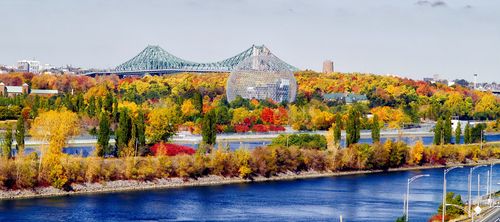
{"x": 453, "y": 38}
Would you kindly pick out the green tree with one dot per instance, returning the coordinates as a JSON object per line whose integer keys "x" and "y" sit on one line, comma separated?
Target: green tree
{"x": 447, "y": 130}
{"x": 20, "y": 134}
{"x": 208, "y": 128}
{"x": 452, "y": 211}
{"x": 337, "y": 131}
{"x": 103, "y": 135}
{"x": 375, "y": 129}
{"x": 123, "y": 130}
{"x": 467, "y": 134}
{"x": 141, "y": 128}
{"x": 91, "y": 106}
{"x": 458, "y": 133}
{"x": 353, "y": 127}
{"x": 7, "y": 143}
{"x": 438, "y": 132}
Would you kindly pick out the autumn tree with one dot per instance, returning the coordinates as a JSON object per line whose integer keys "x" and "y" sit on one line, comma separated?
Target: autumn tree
{"x": 267, "y": 115}
{"x": 416, "y": 153}
{"x": 162, "y": 122}
{"x": 55, "y": 128}
{"x": 20, "y": 134}
{"x": 458, "y": 133}
{"x": 375, "y": 129}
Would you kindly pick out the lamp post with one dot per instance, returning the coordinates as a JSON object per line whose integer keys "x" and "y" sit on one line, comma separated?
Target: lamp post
{"x": 470, "y": 185}
{"x": 444, "y": 189}
{"x": 408, "y": 192}
{"x": 490, "y": 182}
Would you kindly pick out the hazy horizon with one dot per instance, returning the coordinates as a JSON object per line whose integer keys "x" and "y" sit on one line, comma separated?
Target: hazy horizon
{"x": 409, "y": 38}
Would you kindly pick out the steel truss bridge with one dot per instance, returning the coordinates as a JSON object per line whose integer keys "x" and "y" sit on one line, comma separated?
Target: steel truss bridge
{"x": 154, "y": 60}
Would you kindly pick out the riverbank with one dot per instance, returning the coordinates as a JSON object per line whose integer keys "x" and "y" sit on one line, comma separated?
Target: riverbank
{"x": 211, "y": 180}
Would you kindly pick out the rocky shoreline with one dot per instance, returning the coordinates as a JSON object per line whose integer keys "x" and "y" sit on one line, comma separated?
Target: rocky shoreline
{"x": 212, "y": 180}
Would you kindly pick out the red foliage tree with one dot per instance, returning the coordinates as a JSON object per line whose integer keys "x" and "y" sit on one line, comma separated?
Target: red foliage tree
{"x": 267, "y": 115}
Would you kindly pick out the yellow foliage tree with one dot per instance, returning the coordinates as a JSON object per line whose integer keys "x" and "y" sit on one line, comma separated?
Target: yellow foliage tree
{"x": 188, "y": 108}
{"x": 416, "y": 153}
{"x": 163, "y": 122}
{"x": 54, "y": 128}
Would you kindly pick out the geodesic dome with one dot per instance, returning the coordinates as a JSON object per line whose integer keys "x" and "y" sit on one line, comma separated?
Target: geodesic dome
{"x": 262, "y": 77}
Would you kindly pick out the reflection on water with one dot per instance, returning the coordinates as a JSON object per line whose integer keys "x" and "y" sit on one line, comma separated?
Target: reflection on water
{"x": 373, "y": 197}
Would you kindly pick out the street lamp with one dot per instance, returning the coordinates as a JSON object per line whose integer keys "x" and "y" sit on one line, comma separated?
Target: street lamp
{"x": 408, "y": 192}
{"x": 490, "y": 181}
{"x": 444, "y": 188}
{"x": 470, "y": 185}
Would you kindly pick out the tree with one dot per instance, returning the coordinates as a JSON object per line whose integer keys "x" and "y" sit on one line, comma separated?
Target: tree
{"x": 208, "y": 128}
{"x": 487, "y": 106}
{"x": 452, "y": 211}
{"x": 162, "y": 123}
{"x": 337, "y": 131}
{"x": 375, "y": 129}
{"x": 20, "y": 134}
{"x": 123, "y": 133}
{"x": 353, "y": 127}
{"x": 7, "y": 143}
{"x": 188, "y": 109}
{"x": 55, "y": 127}
{"x": 267, "y": 115}
{"x": 141, "y": 129}
{"x": 416, "y": 153}
{"x": 438, "y": 132}
{"x": 467, "y": 134}
{"x": 103, "y": 135}
{"x": 447, "y": 130}
{"x": 458, "y": 133}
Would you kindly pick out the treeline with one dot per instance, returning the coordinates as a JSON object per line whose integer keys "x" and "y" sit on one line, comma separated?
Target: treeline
{"x": 24, "y": 171}
{"x": 443, "y": 132}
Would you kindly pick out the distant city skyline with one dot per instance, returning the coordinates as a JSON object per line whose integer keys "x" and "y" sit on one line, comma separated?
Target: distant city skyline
{"x": 414, "y": 39}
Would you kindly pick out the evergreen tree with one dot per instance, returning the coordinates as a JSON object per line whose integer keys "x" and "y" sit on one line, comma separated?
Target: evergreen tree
{"x": 375, "y": 129}
{"x": 208, "y": 128}
{"x": 80, "y": 102}
{"x": 141, "y": 129}
{"x": 337, "y": 131}
{"x": 447, "y": 130}
{"x": 438, "y": 132}
{"x": 108, "y": 102}
{"x": 20, "y": 134}
{"x": 7, "y": 143}
{"x": 103, "y": 135}
{"x": 198, "y": 101}
{"x": 123, "y": 130}
{"x": 91, "y": 106}
{"x": 353, "y": 127}
{"x": 467, "y": 134}
{"x": 458, "y": 133}
{"x": 115, "y": 110}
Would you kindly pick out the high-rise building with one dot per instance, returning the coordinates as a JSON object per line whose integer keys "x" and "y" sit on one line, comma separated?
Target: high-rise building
{"x": 28, "y": 66}
{"x": 328, "y": 66}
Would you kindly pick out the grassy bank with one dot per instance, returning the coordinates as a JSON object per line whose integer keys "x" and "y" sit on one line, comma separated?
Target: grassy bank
{"x": 26, "y": 177}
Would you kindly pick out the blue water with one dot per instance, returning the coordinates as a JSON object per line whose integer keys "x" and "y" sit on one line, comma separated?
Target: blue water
{"x": 371, "y": 197}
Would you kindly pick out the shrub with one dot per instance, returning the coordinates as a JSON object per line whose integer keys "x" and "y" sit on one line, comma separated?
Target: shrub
{"x": 306, "y": 141}
{"x": 171, "y": 149}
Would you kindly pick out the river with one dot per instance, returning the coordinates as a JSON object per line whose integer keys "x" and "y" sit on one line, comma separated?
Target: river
{"x": 370, "y": 197}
